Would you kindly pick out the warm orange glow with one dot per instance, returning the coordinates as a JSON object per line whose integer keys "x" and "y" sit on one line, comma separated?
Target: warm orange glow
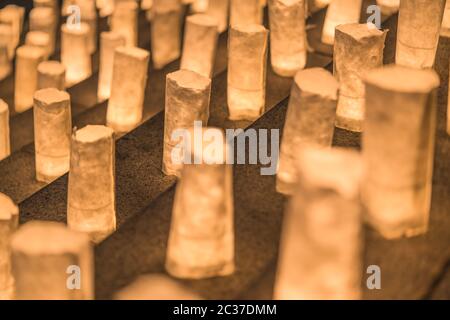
{"x": 106, "y": 7}
{"x": 109, "y": 41}
{"x": 27, "y": 60}
{"x": 187, "y": 100}
{"x": 358, "y": 48}
{"x": 219, "y": 10}
{"x": 44, "y": 19}
{"x": 52, "y": 127}
{"x": 13, "y": 15}
{"x": 398, "y": 149}
{"x": 150, "y": 150}
{"x": 340, "y": 12}
{"x": 388, "y": 7}
{"x": 445, "y": 29}
{"x": 6, "y": 40}
{"x": 287, "y": 36}
{"x": 91, "y": 197}
{"x": 39, "y": 39}
{"x": 51, "y": 74}
{"x": 200, "y": 44}
{"x": 417, "y": 44}
{"x": 127, "y": 88}
{"x": 124, "y": 21}
{"x": 43, "y": 256}
{"x": 6, "y": 50}
{"x": 316, "y": 5}
{"x": 321, "y": 239}
{"x": 245, "y": 12}
{"x": 309, "y": 121}
{"x": 247, "y": 63}
{"x": 5, "y": 149}
{"x": 75, "y": 54}
{"x": 201, "y": 240}
{"x": 155, "y": 287}
{"x": 9, "y": 221}
{"x": 165, "y": 34}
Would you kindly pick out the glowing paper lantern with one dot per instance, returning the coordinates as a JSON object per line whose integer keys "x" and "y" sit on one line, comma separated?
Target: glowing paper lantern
{"x": 358, "y": 48}
{"x": 44, "y": 19}
{"x": 75, "y": 54}
{"x": 9, "y": 221}
{"x": 39, "y": 39}
{"x": 51, "y": 74}
{"x": 109, "y": 42}
{"x": 5, "y": 147}
{"x": 219, "y": 10}
{"x": 419, "y": 25}
{"x": 165, "y": 34}
{"x": 245, "y": 12}
{"x": 398, "y": 149}
{"x": 287, "y": 36}
{"x": 52, "y": 128}
{"x": 129, "y": 80}
{"x": 187, "y": 100}
{"x": 388, "y": 7}
{"x": 27, "y": 60}
{"x": 340, "y": 12}
{"x": 320, "y": 250}
{"x": 5, "y": 51}
{"x": 51, "y": 262}
{"x": 445, "y": 28}
{"x": 200, "y": 44}
{"x": 201, "y": 240}
{"x": 124, "y": 21}
{"x": 91, "y": 206}
{"x": 309, "y": 121}
{"x": 247, "y": 64}
{"x": 13, "y": 15}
